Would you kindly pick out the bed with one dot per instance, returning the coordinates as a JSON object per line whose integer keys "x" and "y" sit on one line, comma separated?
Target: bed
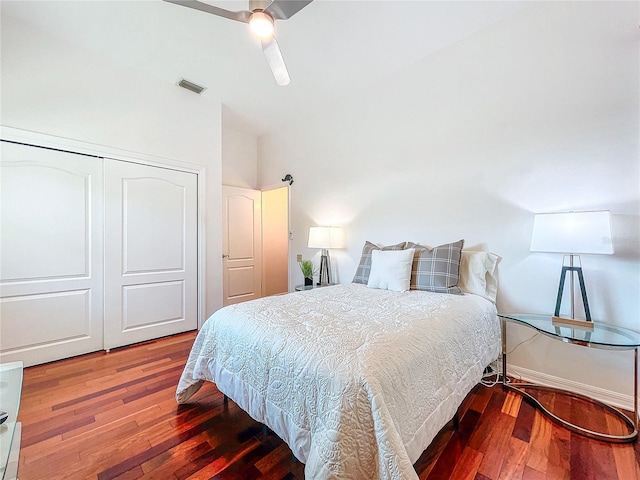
{"x": 356, "y": 380}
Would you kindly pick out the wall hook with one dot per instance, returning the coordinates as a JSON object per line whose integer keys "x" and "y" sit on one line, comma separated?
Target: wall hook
{"x": 288, "y": 178}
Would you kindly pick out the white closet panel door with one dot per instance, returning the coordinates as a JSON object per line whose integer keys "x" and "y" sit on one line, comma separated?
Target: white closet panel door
{"x": 51, "y": 270}
{"x": 150, "y": 251}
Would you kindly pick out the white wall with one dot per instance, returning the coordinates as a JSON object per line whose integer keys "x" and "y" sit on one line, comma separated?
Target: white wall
{"x": 239, "y": 158}
{"x": 54, "y": 88}
{"x": 539, "y": 113}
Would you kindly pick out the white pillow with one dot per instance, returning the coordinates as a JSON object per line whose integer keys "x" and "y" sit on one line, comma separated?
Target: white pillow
{"x": 478, "y": 274}
{"x": 391, "y": 269}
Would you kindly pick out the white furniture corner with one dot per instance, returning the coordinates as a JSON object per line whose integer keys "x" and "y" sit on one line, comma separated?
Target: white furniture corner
{"x": 11, "y": 429}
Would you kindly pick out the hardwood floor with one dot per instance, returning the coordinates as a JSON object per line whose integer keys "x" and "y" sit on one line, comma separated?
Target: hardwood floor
{"x": 107, "y": 416}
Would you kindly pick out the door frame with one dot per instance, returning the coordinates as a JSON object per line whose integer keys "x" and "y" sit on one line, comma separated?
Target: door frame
{"x": 77, "y": 146}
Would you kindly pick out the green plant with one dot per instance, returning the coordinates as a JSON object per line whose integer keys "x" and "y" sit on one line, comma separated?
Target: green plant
{"x": 306, "y": 266}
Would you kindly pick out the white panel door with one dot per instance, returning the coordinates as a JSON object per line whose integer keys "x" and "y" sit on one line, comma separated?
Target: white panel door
{"x": 51, "y": 270}
{"x": 241, "y": 244}
{"x": 151, "y": 252}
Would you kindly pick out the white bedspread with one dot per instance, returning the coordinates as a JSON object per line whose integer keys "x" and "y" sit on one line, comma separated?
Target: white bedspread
{"x": 357, "y": 381}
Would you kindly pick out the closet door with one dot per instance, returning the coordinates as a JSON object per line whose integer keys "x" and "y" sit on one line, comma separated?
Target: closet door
{"x": 51, "y": 271}
{"x": 150, "y": 252}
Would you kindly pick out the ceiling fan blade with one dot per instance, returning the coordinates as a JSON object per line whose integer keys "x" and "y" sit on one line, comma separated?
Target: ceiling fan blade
{"x": 283, "y": 9}
{"x": 242, "y": 16}
{"x": 276, "y": 62}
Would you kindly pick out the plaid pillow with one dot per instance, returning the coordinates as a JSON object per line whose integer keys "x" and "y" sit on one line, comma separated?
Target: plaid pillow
{"x": 436, "y": 269}
{"x": 364, "y": 268}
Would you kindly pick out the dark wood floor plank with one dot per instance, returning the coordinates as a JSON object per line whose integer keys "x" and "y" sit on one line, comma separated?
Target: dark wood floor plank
{"x": 39, "y": 434}
{"x": 560, "y": 448}
{"x": 625, "y": 459}
{"x": 114, "y": 416}
{"x": 492, "y": 411}
{"x": 466, "y": 467}
{"x": 511, "y": 405}
{"x": 98, "y": 393}
{"x": 512, "y": 467}
{"x": 446, "y": 461}
{"x": 217, "y": 460}
{"x": 533, "y": 474}
{"x": 538, "y": 453}
{"x": 495, "y": 445}
{"x": 481, "y": 399}
{"x": 427, "y": 461}
{"x": 580, "y": 463}
{"x": 524, "y": 423}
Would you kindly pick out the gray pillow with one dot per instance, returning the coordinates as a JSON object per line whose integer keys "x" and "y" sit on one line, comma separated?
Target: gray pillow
{"x": 436, "y": 269}
{"x": 364, "y": 268}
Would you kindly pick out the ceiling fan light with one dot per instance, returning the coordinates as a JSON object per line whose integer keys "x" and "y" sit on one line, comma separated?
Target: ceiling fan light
{"x": 261, "y": 24}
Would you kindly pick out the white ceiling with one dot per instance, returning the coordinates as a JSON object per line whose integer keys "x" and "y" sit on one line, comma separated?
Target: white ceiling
{"x": 332, "y": 48}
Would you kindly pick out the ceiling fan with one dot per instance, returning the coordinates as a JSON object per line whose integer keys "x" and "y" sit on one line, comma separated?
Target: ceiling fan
{"x": 260, "y": 17}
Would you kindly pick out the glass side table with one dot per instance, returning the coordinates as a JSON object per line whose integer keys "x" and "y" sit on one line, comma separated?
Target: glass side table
{"x": 602, "y": 336}
{"x": 10, "y": 430}
{"x": 300, "y": 288}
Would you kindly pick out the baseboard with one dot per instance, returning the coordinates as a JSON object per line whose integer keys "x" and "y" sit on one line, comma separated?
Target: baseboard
{"x": 607, "y": 396}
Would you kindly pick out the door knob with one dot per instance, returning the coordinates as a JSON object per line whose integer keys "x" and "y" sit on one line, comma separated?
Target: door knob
{"x": 224, "y": 255}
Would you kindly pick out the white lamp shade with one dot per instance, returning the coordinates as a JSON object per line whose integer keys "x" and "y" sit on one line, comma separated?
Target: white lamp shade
{"x": 325, "y": 237}
{"x": 572, "y": 232}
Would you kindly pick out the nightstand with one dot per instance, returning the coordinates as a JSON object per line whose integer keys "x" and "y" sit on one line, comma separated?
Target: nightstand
{"x": 592, "y": 334}
{"x": 299, "y": 288}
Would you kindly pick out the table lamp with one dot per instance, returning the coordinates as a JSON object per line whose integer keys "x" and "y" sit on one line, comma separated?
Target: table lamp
{"x": 571, "y": 234}
{"x": 325, "y": 238}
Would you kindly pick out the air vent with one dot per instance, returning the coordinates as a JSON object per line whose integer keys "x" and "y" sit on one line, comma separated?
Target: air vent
{"x": 195, "y": 88}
